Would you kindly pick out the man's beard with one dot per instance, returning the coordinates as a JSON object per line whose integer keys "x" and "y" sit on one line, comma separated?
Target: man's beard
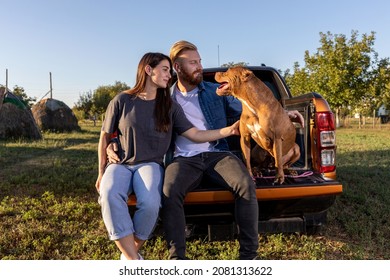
{"x": 192, "y": 78}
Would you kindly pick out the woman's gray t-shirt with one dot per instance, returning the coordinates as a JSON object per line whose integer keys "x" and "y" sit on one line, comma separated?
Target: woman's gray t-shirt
{"x": 133, "y": 119}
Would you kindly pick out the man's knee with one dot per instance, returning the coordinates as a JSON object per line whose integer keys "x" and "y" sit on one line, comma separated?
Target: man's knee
{"x": 246, "y": 188}
{"x": 174, "y": 189}
{"x": 169, "y": 190}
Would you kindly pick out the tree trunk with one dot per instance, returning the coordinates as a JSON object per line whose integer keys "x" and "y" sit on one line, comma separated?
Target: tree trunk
{"x": 337, "y": 117}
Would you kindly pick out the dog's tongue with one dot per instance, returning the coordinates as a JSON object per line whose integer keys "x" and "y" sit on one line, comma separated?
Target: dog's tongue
{"x": 222, "y": 85}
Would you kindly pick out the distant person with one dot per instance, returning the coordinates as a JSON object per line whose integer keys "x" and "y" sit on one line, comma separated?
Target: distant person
{"x": 144, "y": 119}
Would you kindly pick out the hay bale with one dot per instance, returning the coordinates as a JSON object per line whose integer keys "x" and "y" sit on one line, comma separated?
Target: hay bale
{"x": 54, "y": 115}
{"x": 16, "y": 119}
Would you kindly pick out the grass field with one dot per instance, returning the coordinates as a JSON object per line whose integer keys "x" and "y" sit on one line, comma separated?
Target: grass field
{"x": 49, "y": 209}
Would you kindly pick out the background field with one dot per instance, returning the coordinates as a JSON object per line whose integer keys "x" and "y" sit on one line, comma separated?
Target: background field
{"x": 49, "y": 209}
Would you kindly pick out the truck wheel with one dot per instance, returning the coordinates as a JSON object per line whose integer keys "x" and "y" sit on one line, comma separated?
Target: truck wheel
{"x": 314, "y": 230}
{"x": 315, "y": 222}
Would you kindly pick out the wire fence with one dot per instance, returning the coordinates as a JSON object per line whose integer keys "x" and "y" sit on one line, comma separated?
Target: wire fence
{"x": 364, "y": 122}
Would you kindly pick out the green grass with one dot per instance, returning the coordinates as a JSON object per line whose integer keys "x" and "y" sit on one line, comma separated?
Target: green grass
{"x": 49, "y": 209}
{"x": 361, "y": 215}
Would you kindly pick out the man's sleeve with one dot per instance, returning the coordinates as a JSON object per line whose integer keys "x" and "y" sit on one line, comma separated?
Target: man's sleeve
{"x": 233, "y": 109}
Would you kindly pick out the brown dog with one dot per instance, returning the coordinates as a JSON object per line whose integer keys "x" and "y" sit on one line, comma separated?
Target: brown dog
{"x": 263, "y": 118}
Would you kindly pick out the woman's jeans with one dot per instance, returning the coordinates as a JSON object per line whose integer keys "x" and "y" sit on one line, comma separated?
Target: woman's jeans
{"x": 184, "y": 174}
{"x": 120, "y": 180}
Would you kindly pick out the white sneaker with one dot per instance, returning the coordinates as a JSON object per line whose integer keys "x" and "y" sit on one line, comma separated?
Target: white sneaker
{"x": 123, "y": 258}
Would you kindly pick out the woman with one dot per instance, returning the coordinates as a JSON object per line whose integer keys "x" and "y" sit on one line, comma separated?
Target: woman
{"x": 144, "y": 118}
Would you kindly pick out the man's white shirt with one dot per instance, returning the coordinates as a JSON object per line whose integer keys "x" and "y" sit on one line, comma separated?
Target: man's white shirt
{"x": 190, "y": 103}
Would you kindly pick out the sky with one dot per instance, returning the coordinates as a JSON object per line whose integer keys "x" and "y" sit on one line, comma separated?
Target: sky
{"x": 85, "y": 44}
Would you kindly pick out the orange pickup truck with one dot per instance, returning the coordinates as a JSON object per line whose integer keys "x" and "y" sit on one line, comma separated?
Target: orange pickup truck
{"x": 301, "y": 203}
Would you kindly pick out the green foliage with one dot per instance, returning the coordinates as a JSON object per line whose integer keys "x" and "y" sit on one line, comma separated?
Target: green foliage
{"x": 92, "y": 104}
{"x": 83, "y": 107}
{"x": 232, "y": 64}
{"x": 346, "y": 72}
{"x": 79, "y": 114}
{"x": 380, "y": 87}
{"x": 299, "y": 81}
{"x": 21, "y": 94}
{"x": 103, "y": 95}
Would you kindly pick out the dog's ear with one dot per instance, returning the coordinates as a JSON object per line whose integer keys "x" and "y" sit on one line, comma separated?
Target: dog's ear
{"x": 245, "y": 75}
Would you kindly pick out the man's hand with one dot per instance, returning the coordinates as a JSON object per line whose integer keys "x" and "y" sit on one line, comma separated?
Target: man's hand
{"x": 235, "y": 128}
{"x": 111, "y": 151}
{"x": 295, "y": 116}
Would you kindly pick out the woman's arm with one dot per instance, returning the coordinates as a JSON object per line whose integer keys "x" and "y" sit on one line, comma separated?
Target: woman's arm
{"x": 200, "y": 136}
{"x": 102, "y": 156}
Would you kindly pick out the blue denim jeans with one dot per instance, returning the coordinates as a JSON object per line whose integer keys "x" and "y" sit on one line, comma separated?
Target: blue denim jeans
{"x": 224, "y": 169}
{"x": 120, "y": 180}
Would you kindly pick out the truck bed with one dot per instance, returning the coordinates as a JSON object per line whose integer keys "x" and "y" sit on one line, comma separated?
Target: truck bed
{"x": 309, "y": 190}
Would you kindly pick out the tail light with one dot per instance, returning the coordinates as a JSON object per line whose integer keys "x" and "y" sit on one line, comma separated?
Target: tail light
{"x": 326, "y": 143}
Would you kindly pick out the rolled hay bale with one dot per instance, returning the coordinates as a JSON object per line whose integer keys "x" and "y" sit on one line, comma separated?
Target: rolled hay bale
{"x": 54, "y": 115}
{"x": 16, "y": 119}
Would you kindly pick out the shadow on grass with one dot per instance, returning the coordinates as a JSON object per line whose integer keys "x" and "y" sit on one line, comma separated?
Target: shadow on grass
{"x": 64, "y": 167}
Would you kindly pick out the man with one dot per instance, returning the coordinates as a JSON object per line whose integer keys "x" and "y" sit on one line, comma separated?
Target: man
{"x": 193, "y": 161}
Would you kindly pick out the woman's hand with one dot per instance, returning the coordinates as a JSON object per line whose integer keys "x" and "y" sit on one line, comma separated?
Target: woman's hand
{"x": 97, "y": 184}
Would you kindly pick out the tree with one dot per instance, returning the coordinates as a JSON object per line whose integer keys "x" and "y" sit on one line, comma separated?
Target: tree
{"x": 21, "y": 94}
{"x": 231, "y": 64}
{"x": 299, "y": 82}
{"x": 341, "y": 70}
{"x": 380, "y": 86}
{"x": 103, "y": 95}
{"x": 90, "y": 104}
{"x": 84, "y": 104}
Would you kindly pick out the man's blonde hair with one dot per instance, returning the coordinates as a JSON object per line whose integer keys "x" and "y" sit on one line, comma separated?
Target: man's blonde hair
{"x": 180, "y": 46}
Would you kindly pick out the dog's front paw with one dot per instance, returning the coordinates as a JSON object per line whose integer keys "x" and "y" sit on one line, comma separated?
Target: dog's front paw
{"x": 279, "y": 179}
{"x": 256, "y": 172}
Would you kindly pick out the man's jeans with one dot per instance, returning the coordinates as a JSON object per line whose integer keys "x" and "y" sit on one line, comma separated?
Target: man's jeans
{"x": 119, "y": 180}
{"x": 184, "y": 174}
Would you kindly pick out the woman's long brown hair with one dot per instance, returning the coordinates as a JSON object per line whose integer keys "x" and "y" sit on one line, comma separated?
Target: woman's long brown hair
{"x": 163, "y": 99}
